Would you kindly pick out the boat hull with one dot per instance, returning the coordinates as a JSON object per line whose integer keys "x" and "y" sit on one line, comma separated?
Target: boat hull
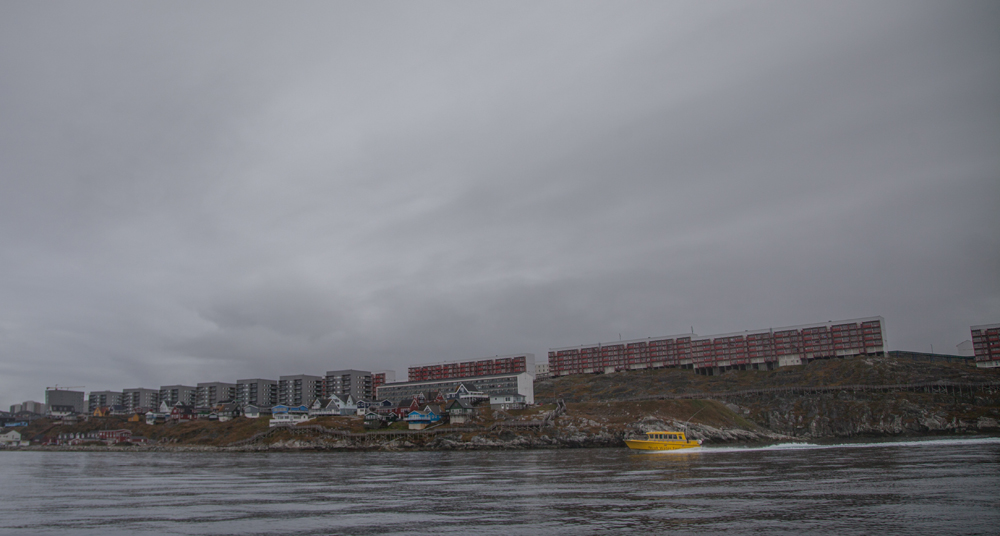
{"x": 646, "y": 444}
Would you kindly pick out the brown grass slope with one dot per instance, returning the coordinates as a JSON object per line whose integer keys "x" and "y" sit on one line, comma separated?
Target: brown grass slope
{"x": 821, "y": 373}
{"x": 204, "y": 432}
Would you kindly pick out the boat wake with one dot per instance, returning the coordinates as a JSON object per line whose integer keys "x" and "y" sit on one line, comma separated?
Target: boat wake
{"x": 854, "y": 445}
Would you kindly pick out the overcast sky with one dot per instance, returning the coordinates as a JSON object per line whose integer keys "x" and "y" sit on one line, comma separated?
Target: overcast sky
{"x": 193, "y": 193}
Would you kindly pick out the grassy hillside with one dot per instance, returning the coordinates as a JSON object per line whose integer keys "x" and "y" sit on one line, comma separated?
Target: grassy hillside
{"x": 190, "y": 433}
{"x": 832, "y": 372}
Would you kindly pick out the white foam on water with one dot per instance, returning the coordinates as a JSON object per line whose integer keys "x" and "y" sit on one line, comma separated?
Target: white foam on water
{"x": 858, "y": 445}
{"x": 674, "y": 451}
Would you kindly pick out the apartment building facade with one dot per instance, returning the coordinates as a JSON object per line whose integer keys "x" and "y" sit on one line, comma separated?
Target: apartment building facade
{"x": 519, "y": 383}
{"x": 506, "y": 364}
{"x": 349, "y": 382}
{"x": 64, "y": 402}
{"x": 256, "y": 391}
{"x": 30, "y": 406}
{"x": 211, "y": 393}
{"x": 759, "y": 349}
{"x": 140, "y": 399}
{"x": 299, "y": 389}
{"x": 382, "y": 377}
{"x": 103, "y": 399}
{"x": 986, "y": 345}
{"x": 178, "y": 394}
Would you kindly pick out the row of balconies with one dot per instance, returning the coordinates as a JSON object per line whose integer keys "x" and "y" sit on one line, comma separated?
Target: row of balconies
{"x": 703, "y": 356}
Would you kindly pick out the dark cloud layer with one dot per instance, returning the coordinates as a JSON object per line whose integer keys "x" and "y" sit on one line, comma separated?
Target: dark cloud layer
{"x": 194, "y": 193}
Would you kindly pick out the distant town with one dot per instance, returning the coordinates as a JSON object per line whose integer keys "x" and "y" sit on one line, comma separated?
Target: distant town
{"x": 453, "y": 391}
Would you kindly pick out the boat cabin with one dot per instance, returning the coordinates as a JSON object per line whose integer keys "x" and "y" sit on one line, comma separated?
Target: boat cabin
{"x": 666, "y": 436}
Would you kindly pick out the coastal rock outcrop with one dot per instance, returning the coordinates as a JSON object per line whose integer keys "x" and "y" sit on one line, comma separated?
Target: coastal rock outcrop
{"x": 842, "y": 415}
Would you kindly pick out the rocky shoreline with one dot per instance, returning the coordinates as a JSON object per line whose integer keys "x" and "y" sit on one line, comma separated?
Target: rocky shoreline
{"x": 588, "y": 434}
{"x": 883, "y": 398}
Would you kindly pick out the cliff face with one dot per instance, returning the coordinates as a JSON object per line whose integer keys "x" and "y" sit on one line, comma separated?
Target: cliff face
{"x": 847, "y": 415}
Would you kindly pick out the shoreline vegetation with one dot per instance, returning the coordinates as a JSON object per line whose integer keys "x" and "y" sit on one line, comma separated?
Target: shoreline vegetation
{"x": 854, "y": 398}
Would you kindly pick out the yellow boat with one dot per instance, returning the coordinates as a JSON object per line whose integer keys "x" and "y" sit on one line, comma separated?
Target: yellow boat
{"x": 663, "y": 441}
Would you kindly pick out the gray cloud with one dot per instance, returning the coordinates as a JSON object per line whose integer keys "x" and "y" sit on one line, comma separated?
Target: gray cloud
{"x": 198, "y": 193}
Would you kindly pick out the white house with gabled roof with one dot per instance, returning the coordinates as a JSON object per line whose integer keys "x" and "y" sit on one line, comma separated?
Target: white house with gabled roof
{"x": 12, "y": 439}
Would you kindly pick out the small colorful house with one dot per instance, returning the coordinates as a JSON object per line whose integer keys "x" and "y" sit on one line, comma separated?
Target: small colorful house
{"x": 363, "y": 406}
{"x": 406, "y": 406}
{"x": 253, "y": 411}
{"x": 155, "y": 417}
{"x": 12, "y": 439}
{"x": 288, "y": 415}
{"x": 333, "y": 406}
{"x": 383, "y": 407}
{"x": 508, "y": 401}
{"x": 227, "y": 411}
{"x": 374, "y": 419}
{"x": 470, "y": 398}
{"x": 418, "y": 420}
{"x": 458, "y": 411}
{"x": 183, "y": 412}
{"x": 112, "y": 437}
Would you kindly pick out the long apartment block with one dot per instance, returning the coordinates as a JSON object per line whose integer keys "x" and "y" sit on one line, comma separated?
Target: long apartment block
{"x": 759, "y": 349}
{"x": 521, "y": 383}
{"x": 506, "y": 364}
{"x": 986, "y": 345}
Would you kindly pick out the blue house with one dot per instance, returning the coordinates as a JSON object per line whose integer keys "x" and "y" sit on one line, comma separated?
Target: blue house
{"x": 418, "y": 420}
{"x": 288, "y": 415}
{"x": 379, "y": 406}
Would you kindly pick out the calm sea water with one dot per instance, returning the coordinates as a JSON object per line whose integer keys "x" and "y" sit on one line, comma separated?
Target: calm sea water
{"x": 919, "y": 487}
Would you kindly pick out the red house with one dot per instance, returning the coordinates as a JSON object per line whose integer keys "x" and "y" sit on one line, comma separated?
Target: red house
{"x": 114, "y": 436}
{"x": 182, "y": 412}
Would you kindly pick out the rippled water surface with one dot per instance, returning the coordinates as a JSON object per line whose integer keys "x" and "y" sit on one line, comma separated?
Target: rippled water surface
{"x": 921, "y": 487}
